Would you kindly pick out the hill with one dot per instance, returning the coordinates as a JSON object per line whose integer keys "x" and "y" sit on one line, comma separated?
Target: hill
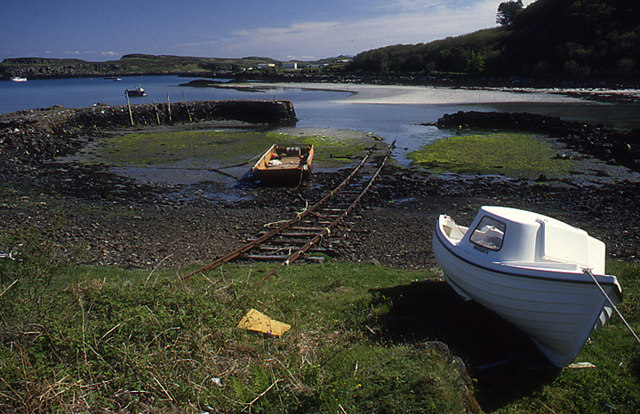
{"x": 549, "y": 39}
{"x": 144, "y": 64}
{"x": 133, "y": 64}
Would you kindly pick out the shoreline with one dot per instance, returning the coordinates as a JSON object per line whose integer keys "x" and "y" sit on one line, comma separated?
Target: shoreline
{"x": 402, "y": 197}
{"x": 448, "y": 95}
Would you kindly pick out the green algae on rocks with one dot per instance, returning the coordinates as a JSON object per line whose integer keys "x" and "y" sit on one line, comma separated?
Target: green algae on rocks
{"x": 223, "y": 147}
{"x": 514, "y": 155}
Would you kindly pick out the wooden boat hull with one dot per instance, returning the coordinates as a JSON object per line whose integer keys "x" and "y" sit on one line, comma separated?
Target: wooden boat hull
{"x": 557, "y": 310}
{"x": 284, "y": 165}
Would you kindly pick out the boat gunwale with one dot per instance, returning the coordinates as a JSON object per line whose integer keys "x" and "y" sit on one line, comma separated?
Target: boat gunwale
{"x": 256, "y": 166}
{"x": 271, "y": 171}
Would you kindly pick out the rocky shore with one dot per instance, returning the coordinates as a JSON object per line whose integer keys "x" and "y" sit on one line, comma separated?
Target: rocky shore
{"x": 96, "y": 216}
{"x": 32, "y": 137}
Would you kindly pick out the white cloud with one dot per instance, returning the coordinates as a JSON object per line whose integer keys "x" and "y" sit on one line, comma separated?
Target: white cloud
{"x": 108, "y": 53}
{"x": 317, "y": 39}
{"x": 404, "y": 5}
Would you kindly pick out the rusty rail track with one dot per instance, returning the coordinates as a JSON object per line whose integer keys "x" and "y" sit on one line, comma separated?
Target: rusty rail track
{"x": 309, "y": 227}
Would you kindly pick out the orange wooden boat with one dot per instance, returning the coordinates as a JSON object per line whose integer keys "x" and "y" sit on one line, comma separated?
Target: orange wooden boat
{"x": 284, "y": 165}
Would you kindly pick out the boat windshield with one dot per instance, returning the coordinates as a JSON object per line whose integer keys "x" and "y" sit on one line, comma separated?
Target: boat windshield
{"x": 489, "y": 233}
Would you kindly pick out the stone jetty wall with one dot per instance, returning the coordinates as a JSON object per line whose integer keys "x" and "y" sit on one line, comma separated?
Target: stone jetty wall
{"x": 32, "y": 136}
{"x": 268, "y": 112}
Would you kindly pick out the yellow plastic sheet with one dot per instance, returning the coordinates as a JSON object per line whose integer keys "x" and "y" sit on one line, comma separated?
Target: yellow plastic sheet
{"x": 259, "y": 322}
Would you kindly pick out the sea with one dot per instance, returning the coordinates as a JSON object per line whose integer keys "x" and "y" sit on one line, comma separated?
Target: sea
{"x": 407, "y": 124}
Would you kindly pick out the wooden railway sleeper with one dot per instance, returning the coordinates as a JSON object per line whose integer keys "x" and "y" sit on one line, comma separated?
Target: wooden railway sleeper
{"x": 317, "y": 249}
{"x": 325, "y": 232}
{"x": 299, "y": 217}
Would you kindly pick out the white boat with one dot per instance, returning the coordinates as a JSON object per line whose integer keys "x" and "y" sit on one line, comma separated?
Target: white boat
{"x": 531, "y": 270}
{"x": 18, "y": 79}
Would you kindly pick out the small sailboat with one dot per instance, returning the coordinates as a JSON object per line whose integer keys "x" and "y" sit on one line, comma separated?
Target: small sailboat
{"x": 533, "y": 271}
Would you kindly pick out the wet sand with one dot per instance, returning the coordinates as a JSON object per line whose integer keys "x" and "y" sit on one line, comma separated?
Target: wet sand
{"x": 436, "y": 95}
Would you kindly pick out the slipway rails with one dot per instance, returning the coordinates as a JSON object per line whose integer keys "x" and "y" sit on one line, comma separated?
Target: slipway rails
{"x": 288, "y": 240}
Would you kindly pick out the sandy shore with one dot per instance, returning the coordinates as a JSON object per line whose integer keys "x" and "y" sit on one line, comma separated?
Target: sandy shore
{"x": 416, "y": 95}
{"x": 438, "y": 95}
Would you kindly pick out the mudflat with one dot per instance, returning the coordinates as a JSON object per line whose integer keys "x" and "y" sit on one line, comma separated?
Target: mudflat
{"x": 95, "y": 215}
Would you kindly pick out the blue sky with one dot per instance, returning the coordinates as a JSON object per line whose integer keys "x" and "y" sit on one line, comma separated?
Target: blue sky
{"x": 281, "y": 29}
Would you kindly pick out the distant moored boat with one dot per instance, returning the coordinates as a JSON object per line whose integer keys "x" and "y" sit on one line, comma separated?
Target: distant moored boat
{"x": 138, "y": 91}
{"x": 18, "y": 79}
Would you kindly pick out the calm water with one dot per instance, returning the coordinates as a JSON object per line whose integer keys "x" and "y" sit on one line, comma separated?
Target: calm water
{"x": 321, "y": 109}
{"x": 73, "y": 93}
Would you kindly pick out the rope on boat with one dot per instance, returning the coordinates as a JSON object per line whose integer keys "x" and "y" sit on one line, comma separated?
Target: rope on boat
{"x": 216, "y": 170}
{"x": 590, "y": 273}
{"x": 242, "y": 163}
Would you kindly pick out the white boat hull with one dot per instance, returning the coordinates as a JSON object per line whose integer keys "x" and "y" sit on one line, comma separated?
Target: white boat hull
{"x": 558, "y": 311}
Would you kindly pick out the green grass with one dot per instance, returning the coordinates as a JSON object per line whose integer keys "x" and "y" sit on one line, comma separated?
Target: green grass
{"x": 514, "y": 155}
{"x": 89, "y": 338}
{"x": 145, "y": 341}
{"x": 221, "y": 148}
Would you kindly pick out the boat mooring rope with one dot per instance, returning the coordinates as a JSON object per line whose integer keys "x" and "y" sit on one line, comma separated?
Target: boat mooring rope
{"x": 590, "y": 273}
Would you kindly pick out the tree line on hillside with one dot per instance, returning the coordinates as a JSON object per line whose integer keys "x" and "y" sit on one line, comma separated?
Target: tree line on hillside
{"x": 144, "y": 64}
{"x": 549, "y": 38}
{"x": 132, "y": 64}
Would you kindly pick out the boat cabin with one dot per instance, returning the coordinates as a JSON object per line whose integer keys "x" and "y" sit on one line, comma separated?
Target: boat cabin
{"x": 523, "y": 238}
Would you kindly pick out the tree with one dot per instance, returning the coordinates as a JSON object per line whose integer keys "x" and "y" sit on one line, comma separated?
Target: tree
{"x": 508, "y": 11}
{"x": 475, "y": 63}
